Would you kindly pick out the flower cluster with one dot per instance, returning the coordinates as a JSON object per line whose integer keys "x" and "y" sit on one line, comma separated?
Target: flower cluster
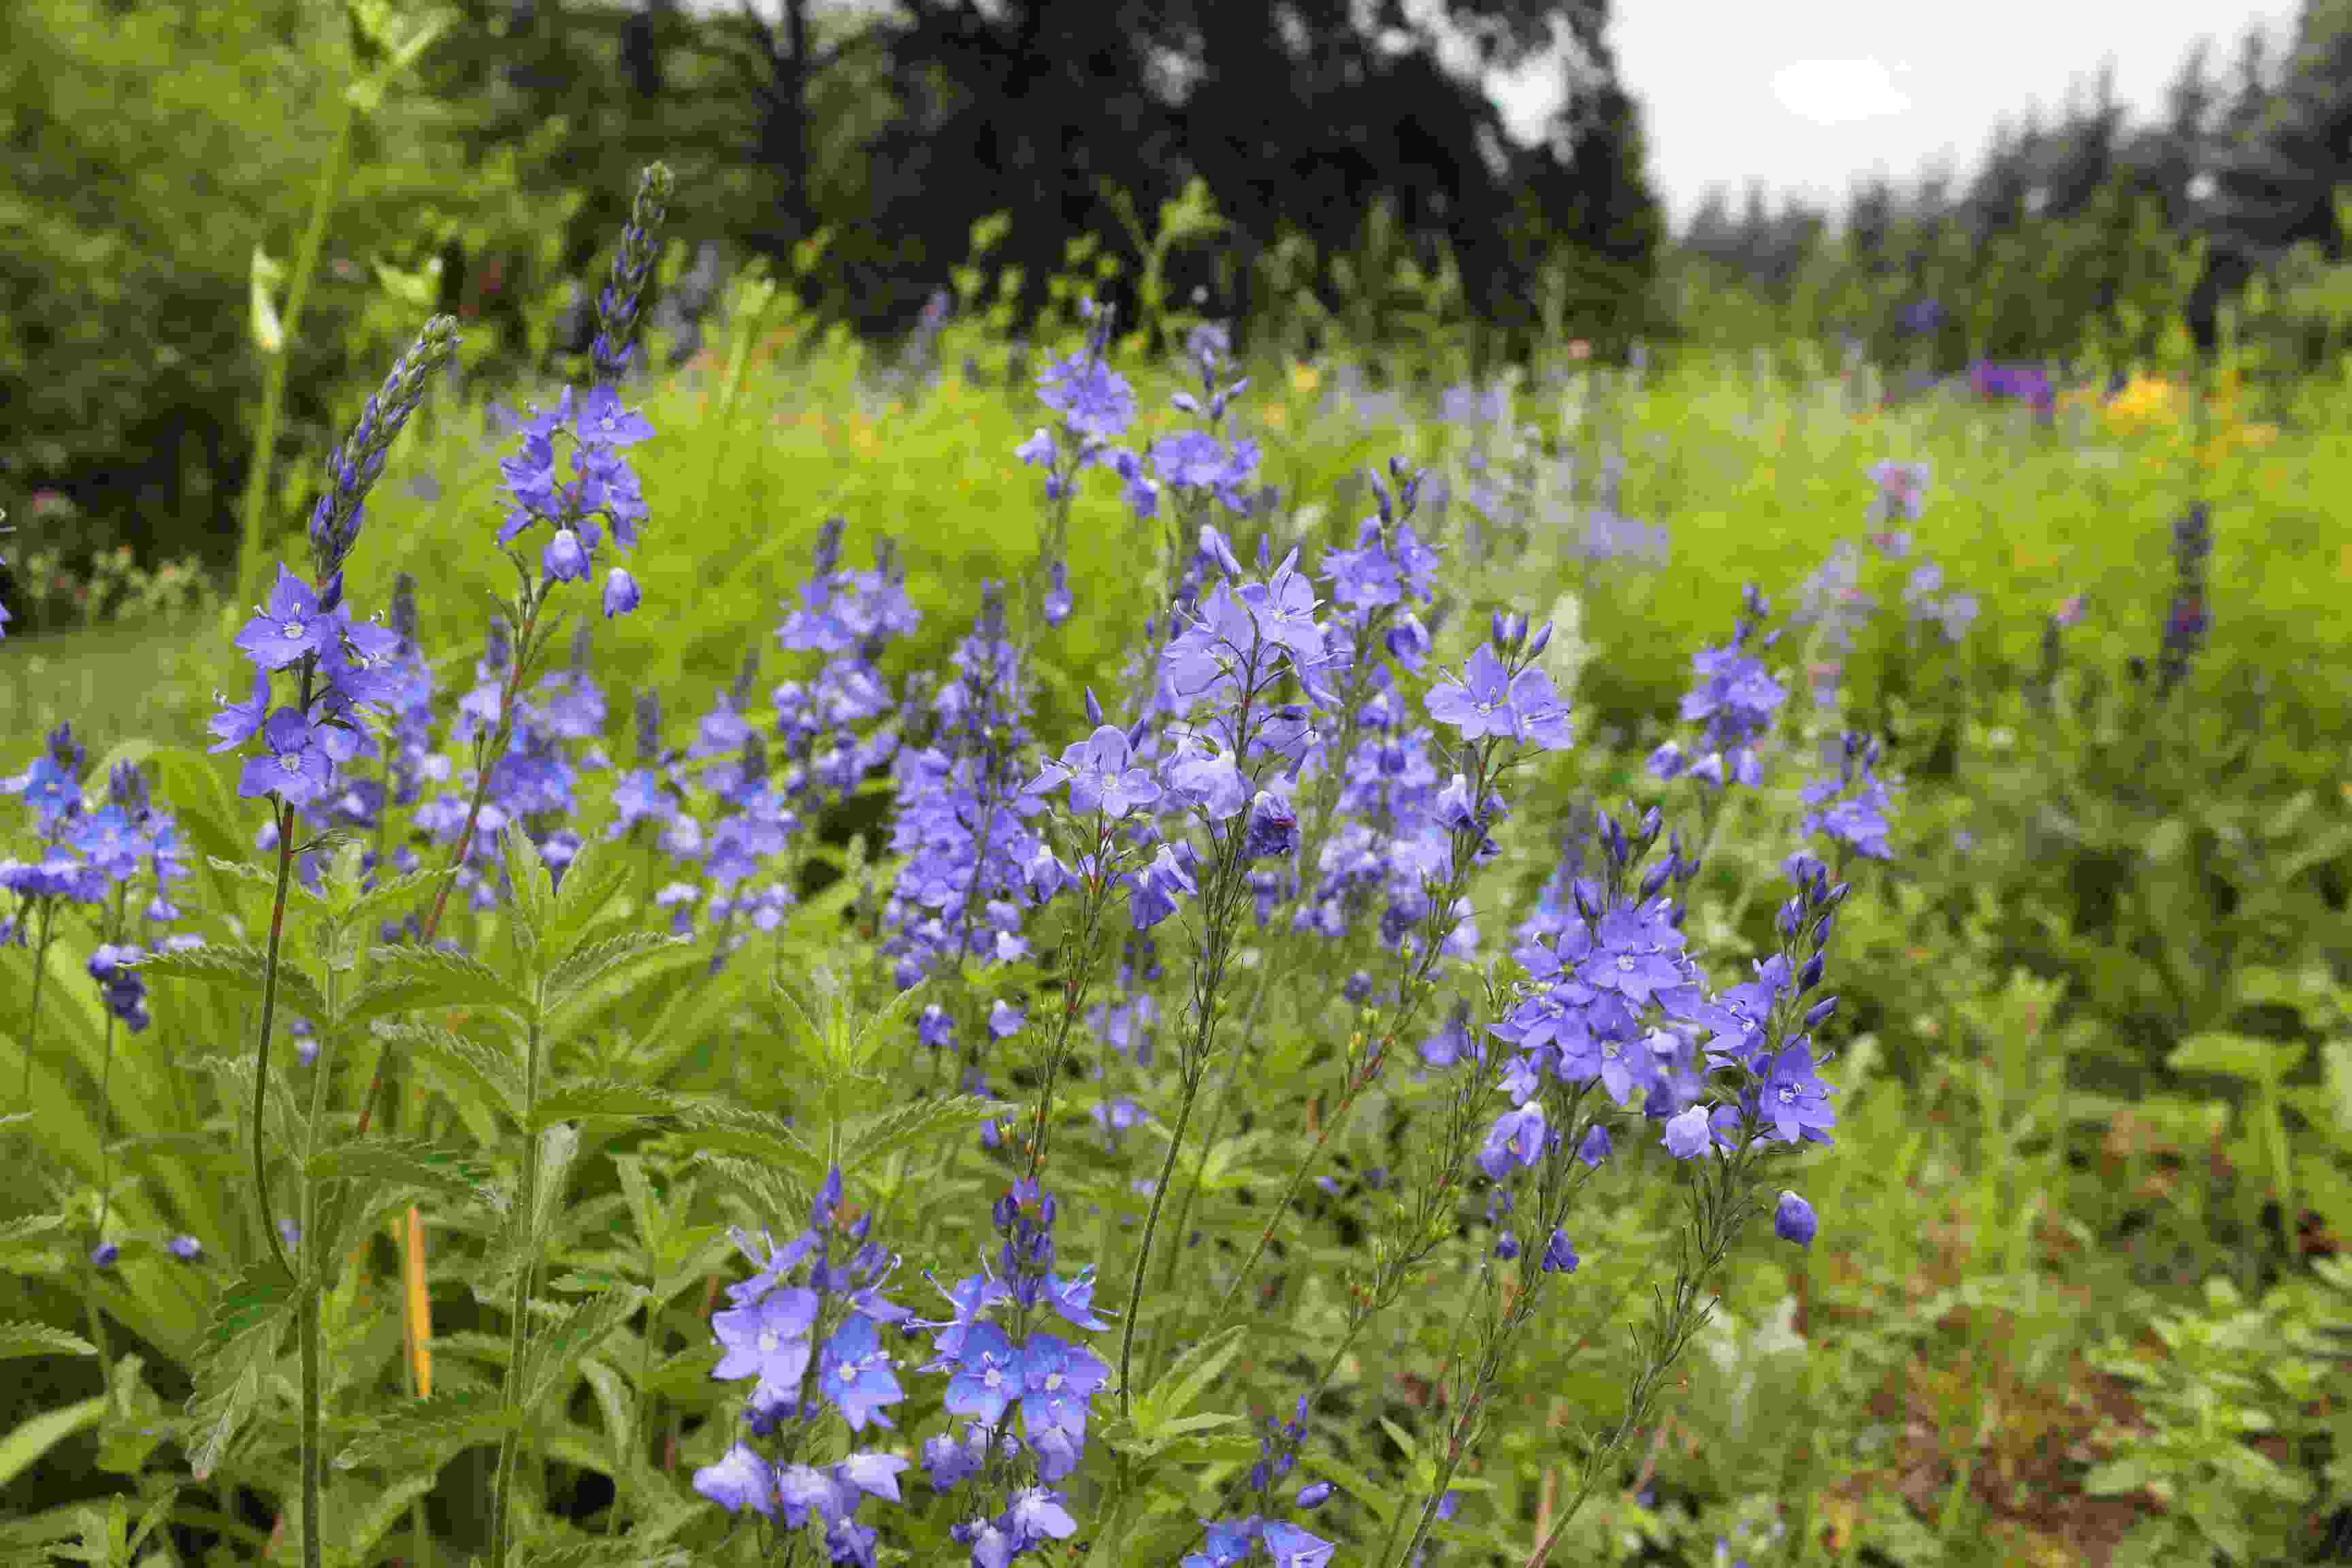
{"x": 851, "y": 617}
{"x": 998, "y": 1368}
{"x": 973, "y": 864}
{"x": 812, "y": 1347}
{"x": 1736, "y": 697}
{"x": 93, "y": 857}
{"x": 603, "y": 486}
{"x": 1850, "y": 808}
{"x": 1236, "y": 1540}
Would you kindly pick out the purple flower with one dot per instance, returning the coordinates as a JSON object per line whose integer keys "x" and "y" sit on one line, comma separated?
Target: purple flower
{"x": 1098, "y": 772}
{"x": 1686, "y": 1136}
{"x": 1292, "y": 1547}
{"x": 767, "y": 1339}
{"x": 620, "y": 593}
{"x": 988, "y": 1377}
{"x": 236, "y": 723}
{"x": 1089, "y": 395}
{"x": 288, "y": 628}
{"x": 1515, "y": 1142}
{"x": 1793, "y": 1220}
{"x": 297, "y": 770}
{"x": 1488, "y": 700}
{"x": 740, "y": 1479}
{"x": 1152, "y": 889}
{"x": 855, "y": 1373}
{"x": 1559, "y": 1256}
{"x": 565, "y": 561}
{"x": 1272, "y": 830}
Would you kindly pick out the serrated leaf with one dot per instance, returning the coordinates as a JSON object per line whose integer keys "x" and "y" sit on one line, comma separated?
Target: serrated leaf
{"x": 549, "y": 1355}
{"x": 17, "y": 1340}
{"x": 908, "y": 1127}
{"x": 592, "y": 882}
{"x": 241, "y": 1341}
{"x": 239, "y": 967}
{"x": 761, "y": 1189}
{"x": 424, "y": 1433}
{"x": 463, "y": 1057}
{"x": 397, "y": 1164}
{"x": 443, "y": 978}
{"x": 532, "y": 883}
{"x": 758, "y": 1135}
{"x": 583, "y": 971}
{"x": 584, "y": 1098}
{"x": 400, "y": 894}
{"x": 355, "y": 1531}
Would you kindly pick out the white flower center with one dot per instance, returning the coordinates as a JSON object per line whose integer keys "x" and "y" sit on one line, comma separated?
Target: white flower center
{"x": 1053, "y": 1383}
{"x": 291, "y": 762}
{"x": 1625, "y": 966}
{"x": 293, "y": 630}
{"x": 769, "y": 1340}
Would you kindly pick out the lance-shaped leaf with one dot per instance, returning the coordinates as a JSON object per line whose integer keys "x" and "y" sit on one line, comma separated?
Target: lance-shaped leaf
{"x": 240, "y": 1344}
{"x": 597, "y": 968}
{"x": 909, "y": 1126}
{"x": 551, "y": 1355}
{"x": 584, "y": 1098}
{"x": 767, "y": 1139}
{"x": 461, "y": 1058}
{"x": 423, "y": 1434}
{"x": 591, "y": 882}
{"x": 359, "y": 1527}
{"x": 762, "y": 1190}
{"x": 240, "y": 968}
{"x": 400, "y": 896}
{"x": 533, "y": 885}
{"x": 435, "y": 977}
{"x": 17, "y": 1340}
{"x": 388, "y": 1165}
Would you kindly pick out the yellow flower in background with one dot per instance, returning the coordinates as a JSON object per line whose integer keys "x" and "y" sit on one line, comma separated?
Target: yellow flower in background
{"x": 1275, "y": 414}
{"x": 2144, "y": 402}
{"x": 1304, "y": 379}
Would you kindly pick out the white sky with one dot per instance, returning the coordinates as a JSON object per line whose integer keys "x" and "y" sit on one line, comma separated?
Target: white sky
{"x": 1812, "y": 95}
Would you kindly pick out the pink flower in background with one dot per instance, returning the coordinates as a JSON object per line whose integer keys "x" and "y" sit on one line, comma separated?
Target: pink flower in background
{"x": 2071, "y": 612}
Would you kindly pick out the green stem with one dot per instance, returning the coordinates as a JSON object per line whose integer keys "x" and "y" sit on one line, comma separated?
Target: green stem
{"x": 33, "y": 1011}
{"x": 1143, "y": 1255}
{"x": 273, "y": 383}
{"x": 261, "y": 1053}
{"x": 518, "y": 1313}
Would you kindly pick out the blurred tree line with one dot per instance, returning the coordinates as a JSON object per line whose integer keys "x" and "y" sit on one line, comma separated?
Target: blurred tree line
{"x": 1337, "y": 175}
{"x": 2088, "y": 238}
{"x": 1360, "y": 186}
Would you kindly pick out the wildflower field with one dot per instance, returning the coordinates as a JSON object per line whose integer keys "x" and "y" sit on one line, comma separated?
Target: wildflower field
{"x": 1060, "y": 952}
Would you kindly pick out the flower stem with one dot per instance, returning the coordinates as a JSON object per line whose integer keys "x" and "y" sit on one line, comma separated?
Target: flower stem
{"x": 33, "y": 1009}
{"x": 261, "y": 1052}
{"x": 519, "y": 1322}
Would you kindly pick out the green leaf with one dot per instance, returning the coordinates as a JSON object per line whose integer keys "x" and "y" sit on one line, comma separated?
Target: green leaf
{"x": 240, "y": 1344}
{"x": 581, "y": 972}
{"x": 587, "y": 1098}
{"x": 36, "y": 1434}
{"x": 23, "y": 1244}
{"x": 354, "y": 1530}
{"x": 757, "y": 1184}
{"x": 591, "y": 882}
{"x": 238, "y": 967}
{"x": 1185, "y": 1378}
{"x": 394, "y": 1165}
{"x": 532, "y": 884}
{"x": 755, "y": 1134}
{"x": 441, "y": 978}
{"x": 425, "y": 1433}
{"x": 18, "y": 1340}
{"x": 907, "y": 1127}
{"x": 2236, "y": 1055}
{"x": 399, "y": 896}
{"x": 550, "y": 1356}
{"x": 462, "y": 1058}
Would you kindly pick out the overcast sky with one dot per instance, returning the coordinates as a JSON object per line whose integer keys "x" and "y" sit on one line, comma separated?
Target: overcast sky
{"x": 1811, "y": 95}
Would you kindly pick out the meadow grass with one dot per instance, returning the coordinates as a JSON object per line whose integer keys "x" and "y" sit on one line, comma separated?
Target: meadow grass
{"x": 1936, "y": 1380}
